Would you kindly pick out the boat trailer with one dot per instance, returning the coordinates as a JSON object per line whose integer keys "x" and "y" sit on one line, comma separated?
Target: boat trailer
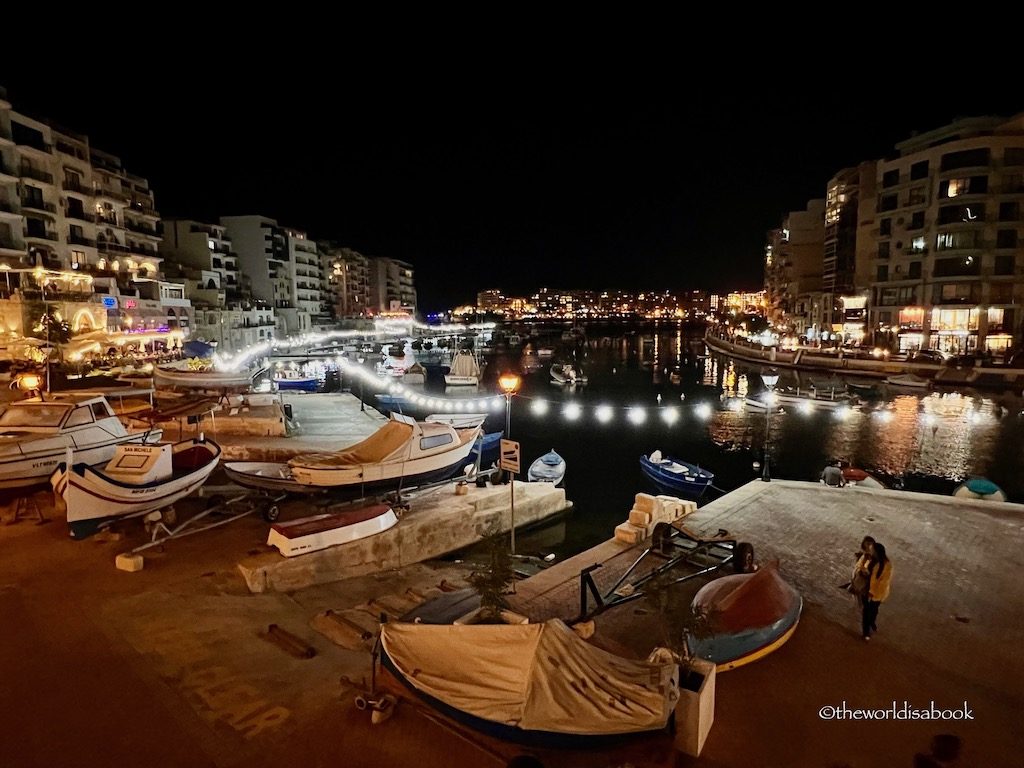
{"x": 674, "y": 544}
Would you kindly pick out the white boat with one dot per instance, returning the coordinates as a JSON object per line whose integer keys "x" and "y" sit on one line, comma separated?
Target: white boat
{"x": 566, "y": 373}
{"x": 36, "y": 434}
{"x": 288, "y": 379}
{"x": 979, "y": 489}
{"x": 804, "y": 399}
{"x": 189, "y": 379}
{"x": 308, "y": 534}
{"x": 464, "y": 372}
{"x": 415, "y": 374}
{"x": 266, "y": 476}
{"x": 137, "y": 480}
{"x": 549, "y": 468}
{"x": 458, "y": 420}
{"x": 908, "y": 380}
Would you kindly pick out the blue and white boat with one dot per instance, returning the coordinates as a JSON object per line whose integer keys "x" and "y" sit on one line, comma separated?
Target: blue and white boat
{"x": 979, "y": 489}
{"x": 674, "y": 476}
{"x": 291, "y": 380}
{"x": 488, "y": 448}
{"x": 549, "y": 468}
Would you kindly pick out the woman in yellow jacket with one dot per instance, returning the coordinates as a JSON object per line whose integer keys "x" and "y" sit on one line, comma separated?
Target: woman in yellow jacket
{"x": 878, "y": 573}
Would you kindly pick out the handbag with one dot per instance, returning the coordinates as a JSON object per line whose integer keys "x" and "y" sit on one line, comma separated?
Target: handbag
{"x": 859, "y": 585}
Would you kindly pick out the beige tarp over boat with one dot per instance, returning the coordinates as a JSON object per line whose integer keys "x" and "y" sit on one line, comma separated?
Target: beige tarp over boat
{"x": 375, "y": 449}
{"x": 538, "y": 677}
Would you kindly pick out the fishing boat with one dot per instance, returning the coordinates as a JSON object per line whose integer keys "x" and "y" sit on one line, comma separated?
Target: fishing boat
{"x": 979, "y": 489}
{"x": 676, "y": 477}
{"x": 749, "y": 615}
{"x": 415, "y": 374}
{"x": 309, "y": 534}
{"x": 465, "y": 371}
{"x": 567, "y": 374}
{"x": 864, "y": 388}
{"x": 529, "y": 683}
{"x": 549, "y": 468}
{"x": 269, "y": 476}
{"x": 288, "y": 379}
{"x": 137, "y": 480}
{"x": 35, "y": 435}
{"x": 855, "y": 476}
{"x": 807, "y": 399}
{"x": 908, "y": 380}
{"x": 488, "y": 448}
{"x": 202, "y": 379}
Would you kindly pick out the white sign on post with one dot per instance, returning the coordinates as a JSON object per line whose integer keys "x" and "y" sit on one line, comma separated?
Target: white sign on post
{"x": 509, "y": 456}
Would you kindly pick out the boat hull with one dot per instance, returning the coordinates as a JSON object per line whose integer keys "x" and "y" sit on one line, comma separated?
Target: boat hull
{"x": 729, "y": 651}
{"x": 461, "y": 381}
{"x": 310, "y": 534}
{"x": 266, "y": 476}
{"x": 549, "y": 468}
{"x": 683, "y": 486}
{"x": 297, "y": 385}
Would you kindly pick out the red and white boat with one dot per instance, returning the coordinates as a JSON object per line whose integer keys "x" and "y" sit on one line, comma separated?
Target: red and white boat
{"x": 309, "y": 534}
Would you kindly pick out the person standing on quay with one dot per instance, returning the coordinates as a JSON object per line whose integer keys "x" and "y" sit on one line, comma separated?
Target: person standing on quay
{"x": 879, "y": 578}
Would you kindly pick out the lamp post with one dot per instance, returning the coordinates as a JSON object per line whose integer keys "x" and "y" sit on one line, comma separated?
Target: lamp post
{"x": 509, "y": 383}
{"x": 362, "y": 404}
{"x": 770, "y": 380}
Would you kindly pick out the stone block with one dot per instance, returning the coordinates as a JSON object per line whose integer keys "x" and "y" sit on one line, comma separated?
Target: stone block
{"x": 127, "y": 562}
{"x": 645, "y": 502}
{"x": 639, "y": 518}
{"x": 629, "y": 533}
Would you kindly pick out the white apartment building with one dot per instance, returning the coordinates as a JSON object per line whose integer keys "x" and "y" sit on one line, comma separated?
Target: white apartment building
{"x": 392, "y": 286}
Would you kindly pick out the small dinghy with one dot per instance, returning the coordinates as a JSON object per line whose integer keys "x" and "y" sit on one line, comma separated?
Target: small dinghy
{"x": 855, "y": 476}
{"x": 308, "y": 534}
{"x": 549, "y": 468}
{"x": 980, "y": 489}
{"x": 909, "y": 381}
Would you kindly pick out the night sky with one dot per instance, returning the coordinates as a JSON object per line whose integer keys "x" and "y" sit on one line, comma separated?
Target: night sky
{"x": 564, "y": 185}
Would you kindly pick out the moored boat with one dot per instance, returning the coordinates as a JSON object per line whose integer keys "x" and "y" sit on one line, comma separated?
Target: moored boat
{"x": 202, "y": 379}
{"x": 676, "y": 477}
{"x": 908, "y": 380}
{"x": 137, "y": 480}
{"x": 309, "y": 534}
{"x": 979, "y": 489}
{"x": 291, "y": 380}
{"x": 35, "y": 435}
{"x": 465, "y": 371}
{"x": 566, "y": 373}
{"x": 855, "y": 476}
{"x": 549, "y": 468}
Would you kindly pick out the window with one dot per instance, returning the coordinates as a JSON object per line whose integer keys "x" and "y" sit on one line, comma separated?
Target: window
{"x": 1001, "y": 293}
{"x": 917, "y": 245}
{"x": 77, "y": 259}
{"x": 1004, "y": 263}
{"x": 915, "y": 270}
{"x": 434, "y": 441}
{"x": 1009, "y": 211}
{"x": 917, "y": 196}
{"x": 1013, "y": 182}
{"x": 883, "y": 250}
{"x": 917, "y": 220}
{"x": 883, "y": 273}
{"x": 101, "y": 411}
{"x": 80, "y": 416}
{"x": 887, "y": 203}
{"x": 971, "y": 185}
{"x": 211, "y": 245}
{"x": 951, "y": 241}
{"x": 1013, "y": 156}
{"x": 885, "y": 227}
{"x": 968, "y": 158}
{"x": 919, "y": 170}
{"x": 1006, "y": 238}
{"x": 891, "y": 178}
{"x": 968, "y": 265}
{"x": 954, "y": 214}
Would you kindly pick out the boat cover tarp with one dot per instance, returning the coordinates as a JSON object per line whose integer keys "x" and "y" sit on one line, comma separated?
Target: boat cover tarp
{"x": 537, "y": 677}
{"x": 464, "y": 364}
{"x": 196, "y": 348}
{"x": 376, "y": 448}
{"x": 746, "y": 600}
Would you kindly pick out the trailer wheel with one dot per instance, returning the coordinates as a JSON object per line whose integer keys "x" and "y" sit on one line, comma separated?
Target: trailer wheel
{"x": 743, "y": 557}
{"x": 271, "y": 513}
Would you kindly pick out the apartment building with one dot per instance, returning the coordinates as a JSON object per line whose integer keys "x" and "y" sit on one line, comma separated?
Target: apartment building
{"x": 392, "y": 286}
{"x": 794, "y": 258}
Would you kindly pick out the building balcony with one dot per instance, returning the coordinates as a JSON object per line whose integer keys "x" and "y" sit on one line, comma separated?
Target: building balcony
{"x": 104, "y": 221}
{"x": 110, "y": 193}
{"x": 28, "y": 172}
{"x": 10, "y": 207}
{"x": 34, "y": 145}
{"x": 80, "y": 216}
{"x": 144, "y": 209}
{"x": 105, "y": 246}
{"x": 41, "y": 235}
{"x": 34, "y": 204}
{"x": 8, "y": 247}
{"x": 141, "y": 228}
{"x": 79, "y": 240}
{"x": 77, "y": 189}
{"x": 7, "y": 173}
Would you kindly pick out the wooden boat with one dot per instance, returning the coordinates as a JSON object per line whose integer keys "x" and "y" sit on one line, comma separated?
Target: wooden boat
{"x": 803, "y": 398}
{"x": 676, "y": 477}
{"x": 488, "y": 448}
{"x": 908, "y": 380}
{"x": 566, "y": 373}
{"x": 749, "y": 616}
{"x": 137, "y": 480}
{"x": 549, "y": 468}
{"x": 402, "y": 451}
{"x": 289, "y": 380}
{"x": 979, "y": 489}
{"x": 465, "y": 371}
{"x": 513, "y": 681}
{"x": 415, "y": 374}
{"x": 214, "y": 380}
{"x": 35, "y": 435}
{"x": 309, "y": 534}
{"x": 266, "y": 476}
{"x": 864, "y": 388}
{"x": 854, "y": 476}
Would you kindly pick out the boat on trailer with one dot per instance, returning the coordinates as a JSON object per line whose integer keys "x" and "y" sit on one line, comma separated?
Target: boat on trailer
{"x": 309, "y": 534}
{"x": 137, "y": 480}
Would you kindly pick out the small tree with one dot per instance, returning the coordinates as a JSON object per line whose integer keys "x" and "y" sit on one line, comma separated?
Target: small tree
{"x": 52, "y": 326}
{"x": 492, "y": 584}
{"x": 678, "y": 620}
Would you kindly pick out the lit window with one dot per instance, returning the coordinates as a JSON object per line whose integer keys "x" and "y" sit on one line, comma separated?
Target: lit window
{"x": 917, "y": 245}
{"x": 958, "y": 187}
{"x": 211, "y": 244}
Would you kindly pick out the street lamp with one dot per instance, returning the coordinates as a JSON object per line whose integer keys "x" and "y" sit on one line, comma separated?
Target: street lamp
{"x": 769, "y": 380}
{"x": 509, "y": 383}
{"x": 362, "y": 403}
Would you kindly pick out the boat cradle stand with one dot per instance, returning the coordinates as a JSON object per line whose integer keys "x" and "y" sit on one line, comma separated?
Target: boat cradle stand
{"x": 234, "y": 508}
{"x": 675, "y": 544}
{"x": 26, "y": 507}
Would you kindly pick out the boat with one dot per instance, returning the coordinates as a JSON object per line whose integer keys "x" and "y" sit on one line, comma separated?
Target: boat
{"x": 266, "y": 476}
{"x": 806, "y": 399}
{"x": 202, "y": 379}
{"x": 137, "y": 480}
{"x": 415, "y": 374}
{"x": 529, "y": 683}
{"x": 827, "y": 385}
{"x": 676, "y": 477}
{"x": 908, "y": 380}
{"x": 864, "y": 388}
{"x": 309, "y": 534}
{"x": 566, "y": 373}
{"x": 402, "y": 451}
{"x": 979, "y": 489}
{"x": 291, "y": 380}
{"x": 549, "y": 468}
{"x": 748, "y": 615}
{"x": 465, "y": 371}
{"x": 35, "y": 435}
{"x": 488, "y": 448}
{"x": 458, "y": 420}
{"x": 854, "y": 476}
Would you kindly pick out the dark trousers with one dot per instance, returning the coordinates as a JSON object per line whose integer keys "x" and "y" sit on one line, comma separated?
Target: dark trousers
{"x": 869, "y": 615}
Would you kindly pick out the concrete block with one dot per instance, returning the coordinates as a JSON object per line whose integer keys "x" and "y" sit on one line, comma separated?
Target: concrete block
{"x": 645, "y": 502}
{"x": 639, "y": 518}
{"x": 629, "y": 533}
{"x": 689, "y": 507}
{"x": 127, "y": 562}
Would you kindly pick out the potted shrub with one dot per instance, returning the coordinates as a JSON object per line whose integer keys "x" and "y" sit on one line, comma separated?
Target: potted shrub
{"x": 492, "y": 584}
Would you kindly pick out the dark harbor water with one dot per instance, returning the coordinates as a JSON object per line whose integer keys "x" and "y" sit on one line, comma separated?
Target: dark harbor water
{"x": 924, "y": 441}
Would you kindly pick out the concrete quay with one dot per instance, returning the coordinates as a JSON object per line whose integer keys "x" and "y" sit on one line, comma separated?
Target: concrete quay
{"x": 949, "y": 633}
{"x": 437, "y": 523}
